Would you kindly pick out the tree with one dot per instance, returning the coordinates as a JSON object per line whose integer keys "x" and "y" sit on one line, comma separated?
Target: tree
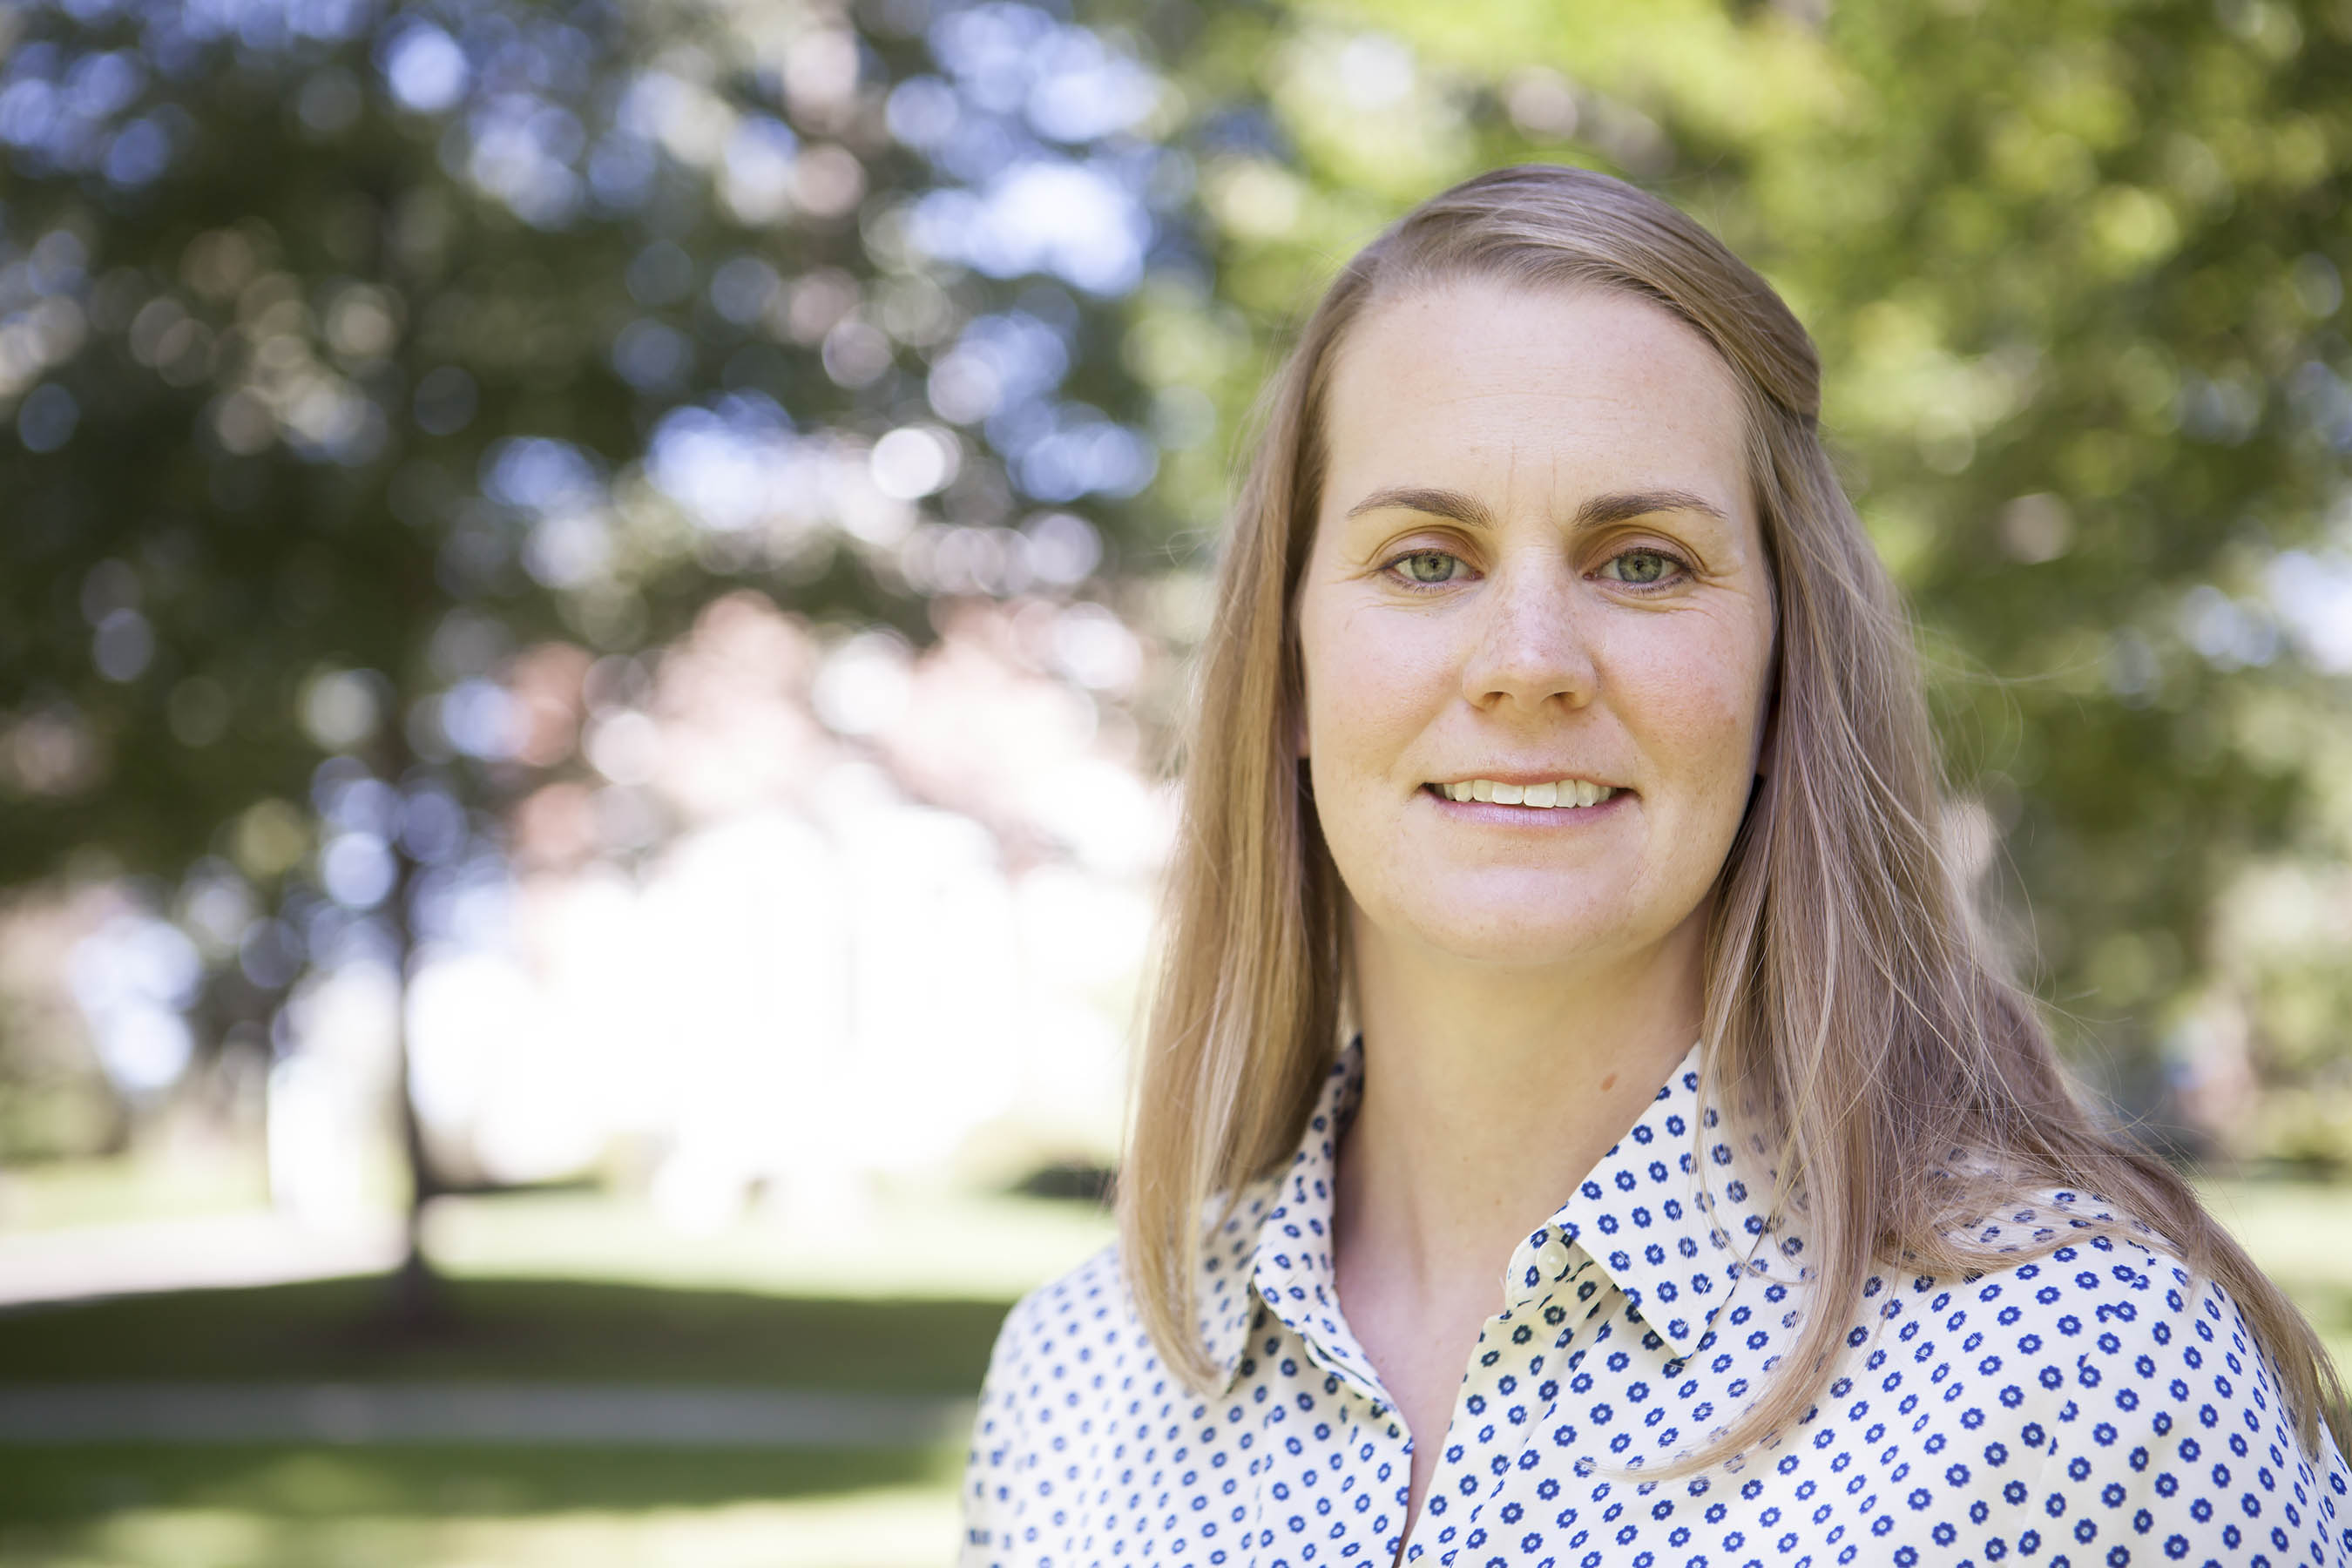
{"x": 348, "y": 352}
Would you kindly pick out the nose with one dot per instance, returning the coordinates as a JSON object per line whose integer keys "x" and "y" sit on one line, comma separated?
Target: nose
{"x": 1531, "y": 646}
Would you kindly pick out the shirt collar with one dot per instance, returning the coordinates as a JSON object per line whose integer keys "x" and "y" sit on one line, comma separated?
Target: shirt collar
{"x": 1277, "y": 1247}
{"x": 1673, "y": 1232}
{"x": 1672, "y": 1237}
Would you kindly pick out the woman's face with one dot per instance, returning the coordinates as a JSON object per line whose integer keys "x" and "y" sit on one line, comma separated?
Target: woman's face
{"x": 1537, "y": 576}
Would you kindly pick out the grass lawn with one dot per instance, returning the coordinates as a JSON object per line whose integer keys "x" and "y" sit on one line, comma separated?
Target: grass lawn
{"x": 512, "y": 1331}
{"x": 749, "y": 1309}
{"x": 259, "y": 1506}
{"x": 454, "y": 1508}
{"x": 66, "y": 1486}
{"x": 724, "y": 1314}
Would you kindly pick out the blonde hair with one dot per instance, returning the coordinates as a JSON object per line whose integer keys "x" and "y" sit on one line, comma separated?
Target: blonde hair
{"x": 1849, "y": 996}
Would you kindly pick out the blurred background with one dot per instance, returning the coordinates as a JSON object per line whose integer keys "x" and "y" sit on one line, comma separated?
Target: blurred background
{"x": 594, "y": 606}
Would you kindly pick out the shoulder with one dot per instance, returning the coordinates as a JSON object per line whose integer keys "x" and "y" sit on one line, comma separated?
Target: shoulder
{"x": 2091, "y": 1287}
{"x": 1067, "y": 1322}
{"x": 1044, "y": 1349}
{"x": 2111, "y": 1342}
{"x": 1080, "y": 1336}
{"x": 2100, "y": 1398}
{"x": 1051, "y": 1344}
{"x": 2111, "y": 1289}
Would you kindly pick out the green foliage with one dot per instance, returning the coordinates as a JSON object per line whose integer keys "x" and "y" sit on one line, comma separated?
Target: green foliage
{"x": 348, "y": 351}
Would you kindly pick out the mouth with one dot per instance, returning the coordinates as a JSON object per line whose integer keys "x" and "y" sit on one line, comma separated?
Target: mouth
{"x": 1551, "y": 794}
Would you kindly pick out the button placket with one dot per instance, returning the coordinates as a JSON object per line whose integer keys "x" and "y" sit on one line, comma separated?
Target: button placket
{"x": 1439, "y": 1526}
{"x": 1540, "y": 1267}
{"x": 1311, "y": 1512}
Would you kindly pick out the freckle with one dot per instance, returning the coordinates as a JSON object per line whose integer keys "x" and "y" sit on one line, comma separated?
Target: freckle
{"x": 1609, "y": 1082}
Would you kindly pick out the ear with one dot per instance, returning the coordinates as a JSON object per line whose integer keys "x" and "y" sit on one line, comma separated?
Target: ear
{"x": 1767, "y": 732}
{"x": 1295, "y": 694}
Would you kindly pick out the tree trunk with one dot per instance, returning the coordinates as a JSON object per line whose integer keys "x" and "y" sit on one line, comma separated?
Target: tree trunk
{"x": 418, "y": 1301}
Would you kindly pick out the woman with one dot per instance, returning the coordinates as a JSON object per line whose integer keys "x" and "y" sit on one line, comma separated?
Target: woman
{"x": 1558, "y": 716}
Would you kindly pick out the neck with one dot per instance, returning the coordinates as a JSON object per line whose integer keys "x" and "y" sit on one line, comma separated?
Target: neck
{"x": 1488, "y": 1096}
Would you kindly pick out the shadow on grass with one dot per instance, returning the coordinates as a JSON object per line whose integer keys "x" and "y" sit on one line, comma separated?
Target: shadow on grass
{"x": 503, "y": 1330}
{"x": 59, "y": 1485}
{"x": 507, "y": 1329}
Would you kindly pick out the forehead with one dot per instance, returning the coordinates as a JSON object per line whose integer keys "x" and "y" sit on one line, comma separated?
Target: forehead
{"x": 1568, "y": 389}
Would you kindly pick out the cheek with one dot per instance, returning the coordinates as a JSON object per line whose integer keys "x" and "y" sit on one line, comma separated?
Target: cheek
{"x": 1373, "y": 682}
{"x": 1696, "y": 704}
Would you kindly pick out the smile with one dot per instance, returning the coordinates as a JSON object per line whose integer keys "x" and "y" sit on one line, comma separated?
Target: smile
{"x": 1559, "y": 795}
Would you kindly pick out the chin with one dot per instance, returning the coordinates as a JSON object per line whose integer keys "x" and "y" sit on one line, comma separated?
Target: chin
{"x": 1534, "y": 936}
{"x": 1532, "y": 952}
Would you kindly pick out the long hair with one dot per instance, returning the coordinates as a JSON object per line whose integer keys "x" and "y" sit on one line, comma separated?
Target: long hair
{"x": 1851, "y": 1002}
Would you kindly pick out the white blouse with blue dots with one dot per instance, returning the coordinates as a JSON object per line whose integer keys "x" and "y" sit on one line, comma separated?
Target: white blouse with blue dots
{"x": 2095, "y": 1407}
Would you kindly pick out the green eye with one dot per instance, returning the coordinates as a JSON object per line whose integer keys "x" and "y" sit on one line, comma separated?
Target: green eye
{"x": 1429, "y": 566}
{"x": 1641, "y": 567}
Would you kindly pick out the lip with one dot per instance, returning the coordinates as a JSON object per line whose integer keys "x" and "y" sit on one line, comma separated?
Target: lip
{"x": 1552, "y": 819}
{"x": 1523, "y": 777}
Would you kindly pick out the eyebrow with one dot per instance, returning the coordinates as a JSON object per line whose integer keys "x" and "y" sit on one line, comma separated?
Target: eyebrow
{"x": 1596, "y": 512}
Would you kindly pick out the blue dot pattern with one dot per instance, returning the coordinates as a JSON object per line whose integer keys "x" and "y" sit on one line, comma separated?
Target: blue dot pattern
{"x": 2094, "y": 1406}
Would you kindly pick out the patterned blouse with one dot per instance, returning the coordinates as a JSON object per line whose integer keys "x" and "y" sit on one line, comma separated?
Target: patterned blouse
{"x": 2095, "y": 1407}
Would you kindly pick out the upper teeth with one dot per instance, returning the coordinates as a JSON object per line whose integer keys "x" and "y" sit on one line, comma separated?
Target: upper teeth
{"x": 1561, "y": 792}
